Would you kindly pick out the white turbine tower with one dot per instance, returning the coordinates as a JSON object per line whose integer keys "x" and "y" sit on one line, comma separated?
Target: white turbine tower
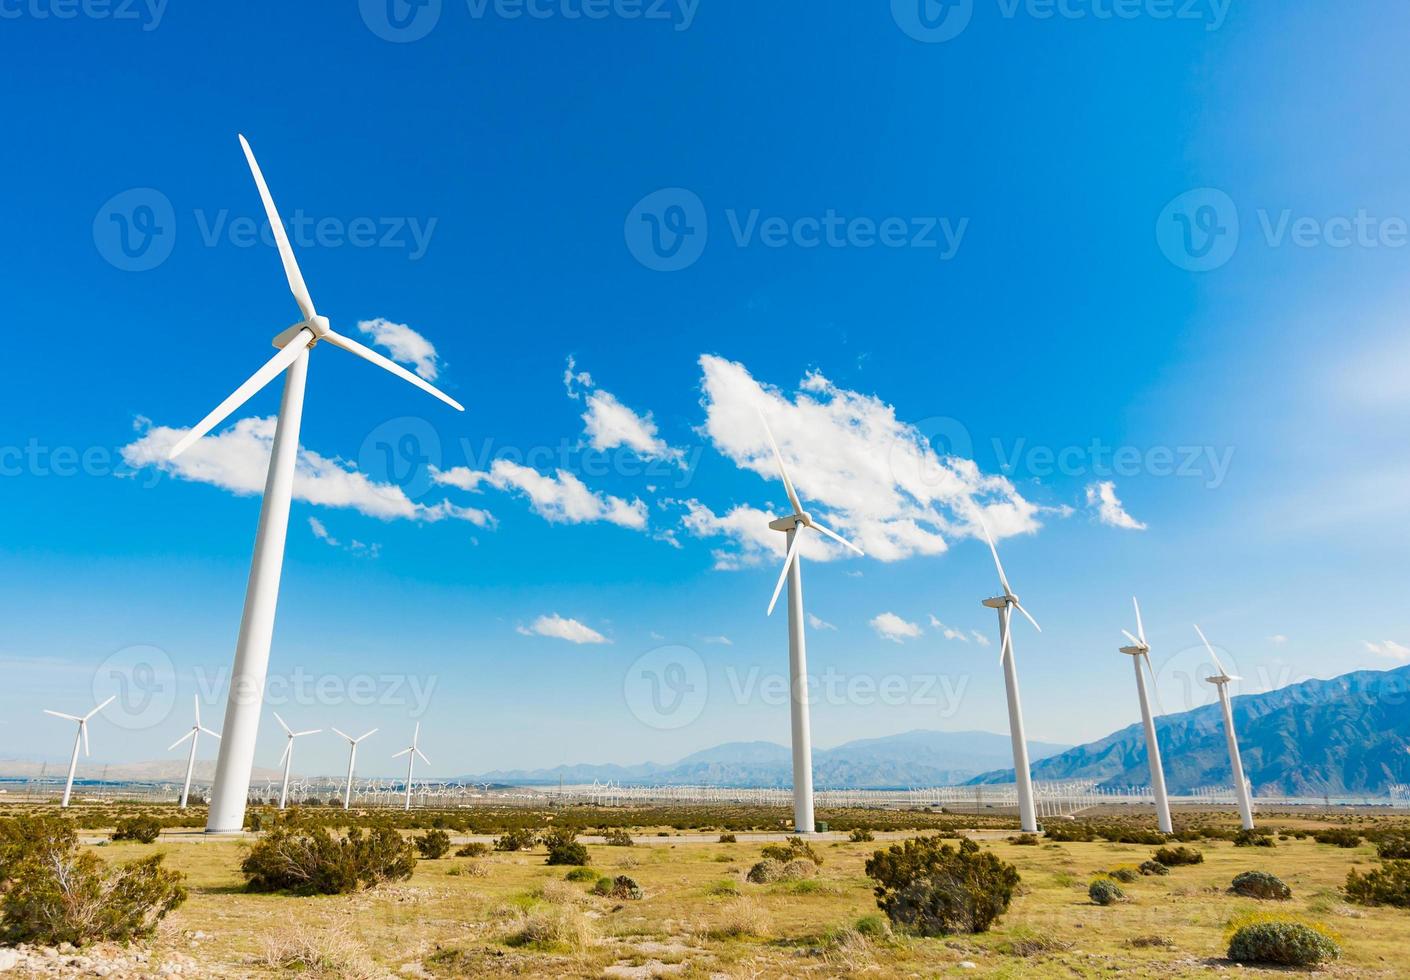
{"x": 1236, "y": 765}
{"x": 1140, "y": 650}
{"x": 803, "y": 821}
{"x": 1023, "y": 775}
{"x": 194, "y": 735}
{"x": 237, "y": 749}
{"x": 288, "y": 757}
{"x": 352, "y": 761}
{"x": 82, "y": 736}
{"x": 411, "y": 752}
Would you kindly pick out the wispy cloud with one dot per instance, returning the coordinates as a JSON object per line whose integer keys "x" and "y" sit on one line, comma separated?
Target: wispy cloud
{"x": 723, "y": 641}
{"x": 1102, "y": 500}
{"x": 948, "y": 632}
{"x": 979, "y": 638}
{"x": 561, "y": 628}
{"x": 404, "y": 345}
{"x": 607, "y": 423}
{"x": 1277, "y": 639}
{"x": 891, "y": 627}
{"x": 354, "y": 546}
{"x": 1389, "y": 649}
{"x": 561, "y": 499}
{"x": 818, "y": 623}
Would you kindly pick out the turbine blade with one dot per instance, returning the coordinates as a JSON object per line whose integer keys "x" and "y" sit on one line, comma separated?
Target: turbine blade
{"x": 288, "y": 746}
{"x": 1134, "y": 642}
{"x": 282, "y": 724}
{"x": 1140, "y": 626}
{"x": 339, "y": 731}
{"x": 423, "y": 757}
{"x": 245, "y": 392}
{"x": 1217, "y": 665}
{"x": 837, "y": 537}
{"x": 83, "y": 730}
{"x": 365, "y": 734}
{"x": 787, "y": 564}
{"x": 311, "y": 731}
{"x": 100, "y": 707}
{"x": 367, "y": 353}
{"x": 1029, "y": 617}
{"x": 1151, "y": 670}
{"x": 197, "y": 699}
{"x": 1006, "y": 647}
{"x": 286, "y": 253}
{"x": 398, "y": 755}
{"x": 183, "y": 738}
{"x": 60, "y": 714}
{"x": 1003, "y": 579}
{"x": 782, "y": 470}
{"x": 211, "y": 733}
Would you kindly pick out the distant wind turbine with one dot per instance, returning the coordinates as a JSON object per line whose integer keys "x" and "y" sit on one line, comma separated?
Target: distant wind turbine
{"x": 352, "y": 761}
{"x": 82, "y": 736}
{"x": 231, "y": 788}
{"x": 1005, "y": 604}
{"x": 1236, "y": 765}
{"x": 194, "y": 735}
{"x": 792, "y": 573}
{"x": 1140, "y": 650}
{"x": 288, "y": 757}
{"x": 411, "y": 752}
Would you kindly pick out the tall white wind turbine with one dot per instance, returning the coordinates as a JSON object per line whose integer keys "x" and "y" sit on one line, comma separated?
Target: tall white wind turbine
{"x": 352, "y": 761}
{"x": 411, "y": 752}
{"x": 194, "y": 735}
{"x": 1140, "y": 650}
{"x": 287, "y": 759}
{"x": 792, "y": 573}
{"x": 82, "y": 736}
{"x": 237, "y": 748}
{"x": 1023, "y": 774}
{"x": 1236, "y": 765}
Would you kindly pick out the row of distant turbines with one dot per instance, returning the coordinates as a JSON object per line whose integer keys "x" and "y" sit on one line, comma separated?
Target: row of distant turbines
{"x": 230, "y": 790}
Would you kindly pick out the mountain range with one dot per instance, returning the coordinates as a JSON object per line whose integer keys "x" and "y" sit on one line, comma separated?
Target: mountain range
{"x": 1348, "y": 736}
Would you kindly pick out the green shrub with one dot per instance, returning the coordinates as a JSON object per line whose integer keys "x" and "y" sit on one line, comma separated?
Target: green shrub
{"x": 766, "y": 871}
{"x": 307, "y": 860}
{"x": 144, "y": 830}
{"x": 860, "y": 835}
{"x": 1153, "y": 868}
{"x": 522, "y": 839}
{"x": 1173, "y": 856}
{"x": 1124, "y": 874}
{"x": 1025, "y": 840}
{"x": 1253, "y": 838}
{"x": 792, "y": 849}
{"x": 1393, "y": 847}
{"x": 1284, "y": 943}
{"x": 1387, "y": 885}
{"x": 54, "y": 893}
{"x": 1337, "y": 837}
{"x": 473, "y": 849}
{"x": 618, "y": 838}
{"x": 727, "y": 839}
{"x": 1260, "y": 884}
{"x": 433, "y": 844}
{"x": 620, "y": 887}
{"x": 581, "y": 874}
{"x": 1105, "y": 891}
{"x": 934, "y": 888}
{"x": 563, "y": 847}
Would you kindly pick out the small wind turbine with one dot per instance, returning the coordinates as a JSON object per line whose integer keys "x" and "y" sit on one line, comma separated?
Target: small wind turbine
{"x": 1140, "y": 650}
{"x": 82, "y": 736}
{"x": 352, "y": 761}
{"x": 1023, "y": 775}
{"x": 194, "y": 735}
{"x": 803, "y": 821}
{"x": 288, "y": 757}
{"x": 1236, "y": 765}
{"x": 231, "y": 788}
{"x": 411, "y": 752}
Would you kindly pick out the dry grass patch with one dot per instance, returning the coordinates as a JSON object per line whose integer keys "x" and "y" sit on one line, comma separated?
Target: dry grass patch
{"x": 740, "y": 918}
{"x": 330, "y": 952}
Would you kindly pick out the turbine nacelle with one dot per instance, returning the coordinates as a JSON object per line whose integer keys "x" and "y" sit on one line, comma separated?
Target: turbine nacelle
{"x": 803, "y": 519}
{"x": 318, "y": 325}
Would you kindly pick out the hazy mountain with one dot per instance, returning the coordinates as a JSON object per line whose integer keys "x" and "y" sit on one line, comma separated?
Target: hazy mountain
{"x": 918, "y": 758}
{"x": 1346, "y": 736}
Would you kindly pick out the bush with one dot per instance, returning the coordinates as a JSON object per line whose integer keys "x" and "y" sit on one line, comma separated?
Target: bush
{"x": 1337, "y": 837}
{"x": 621, "y": 887}
{"x": 1124, "y": 874}
{"x": 581, "y": 874}
{"x": 1153, "y": 868}
{"x": 522, "y": 839}
{"x": 1253, "y": 838}
{"x": 1284, "y": 943}
{"x": 936, "y": 889}
{"x": 766, "y": 871}
{"x": 563, "y": 848}
{"x": 1105, "y": 891}
{"x": 727, "y": 839}
{"x": 309, "y": 860}
{"x": 144, "y": 830}
{"x": 474, "y": 849}
{"x": 618, "y": 838}
{"x": 1387, "y": 885}
{"x": 1393, "y": 847}
{"x": 792, "y": 849}
{"x": 861, "y": 835}
{"x": 1260, "y": 884}
{"x": 1025, "y": 840}
{"x": 55, "y": 893}
{"x": 798, "y": 869}
{"x": 433, "y": 844}
{"x": 1173, "y": 856}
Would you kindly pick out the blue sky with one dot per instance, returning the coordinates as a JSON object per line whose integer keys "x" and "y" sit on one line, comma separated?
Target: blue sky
{"x": 1162, "y": 251}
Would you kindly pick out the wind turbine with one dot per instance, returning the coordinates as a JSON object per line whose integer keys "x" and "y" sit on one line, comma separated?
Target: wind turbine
{"x": 288, "y": 757}
{"x": 1023, "y": 775}
{"x": 82, "y": 736}
{"x": 1139, "y": 650}
{"x": 352, "y": 760}
{"x": 411, "y": 752}
{"x": 1236, "y": 765}
{"x": 803, "y": 821}
{"x": 194, "y": 735}
{"x": 237, "y": 750}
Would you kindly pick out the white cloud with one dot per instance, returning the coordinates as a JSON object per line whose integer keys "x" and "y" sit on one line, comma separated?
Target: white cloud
{"x": 1101, "y": 497}
{"x": 1277, "y": 639}
{"x": 891, "y": 627}
{"x": 723, "y": 641}
{"x": 559, "y": 628}
{"x": 560, "y": 499}
{"x": 818, "y": 623}
{"x": 979, "y": 638}
{"x": 868, "y": 475}
{"x": 608, "y": 423}
{"x": 948, "y": 632}
{"x": 754, "y": 541}
{"x": 320, "y": 532}
{"x": 1389, "y": 649}
{"x": 404, "y": 345}
{"x": 237, "y": 460}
